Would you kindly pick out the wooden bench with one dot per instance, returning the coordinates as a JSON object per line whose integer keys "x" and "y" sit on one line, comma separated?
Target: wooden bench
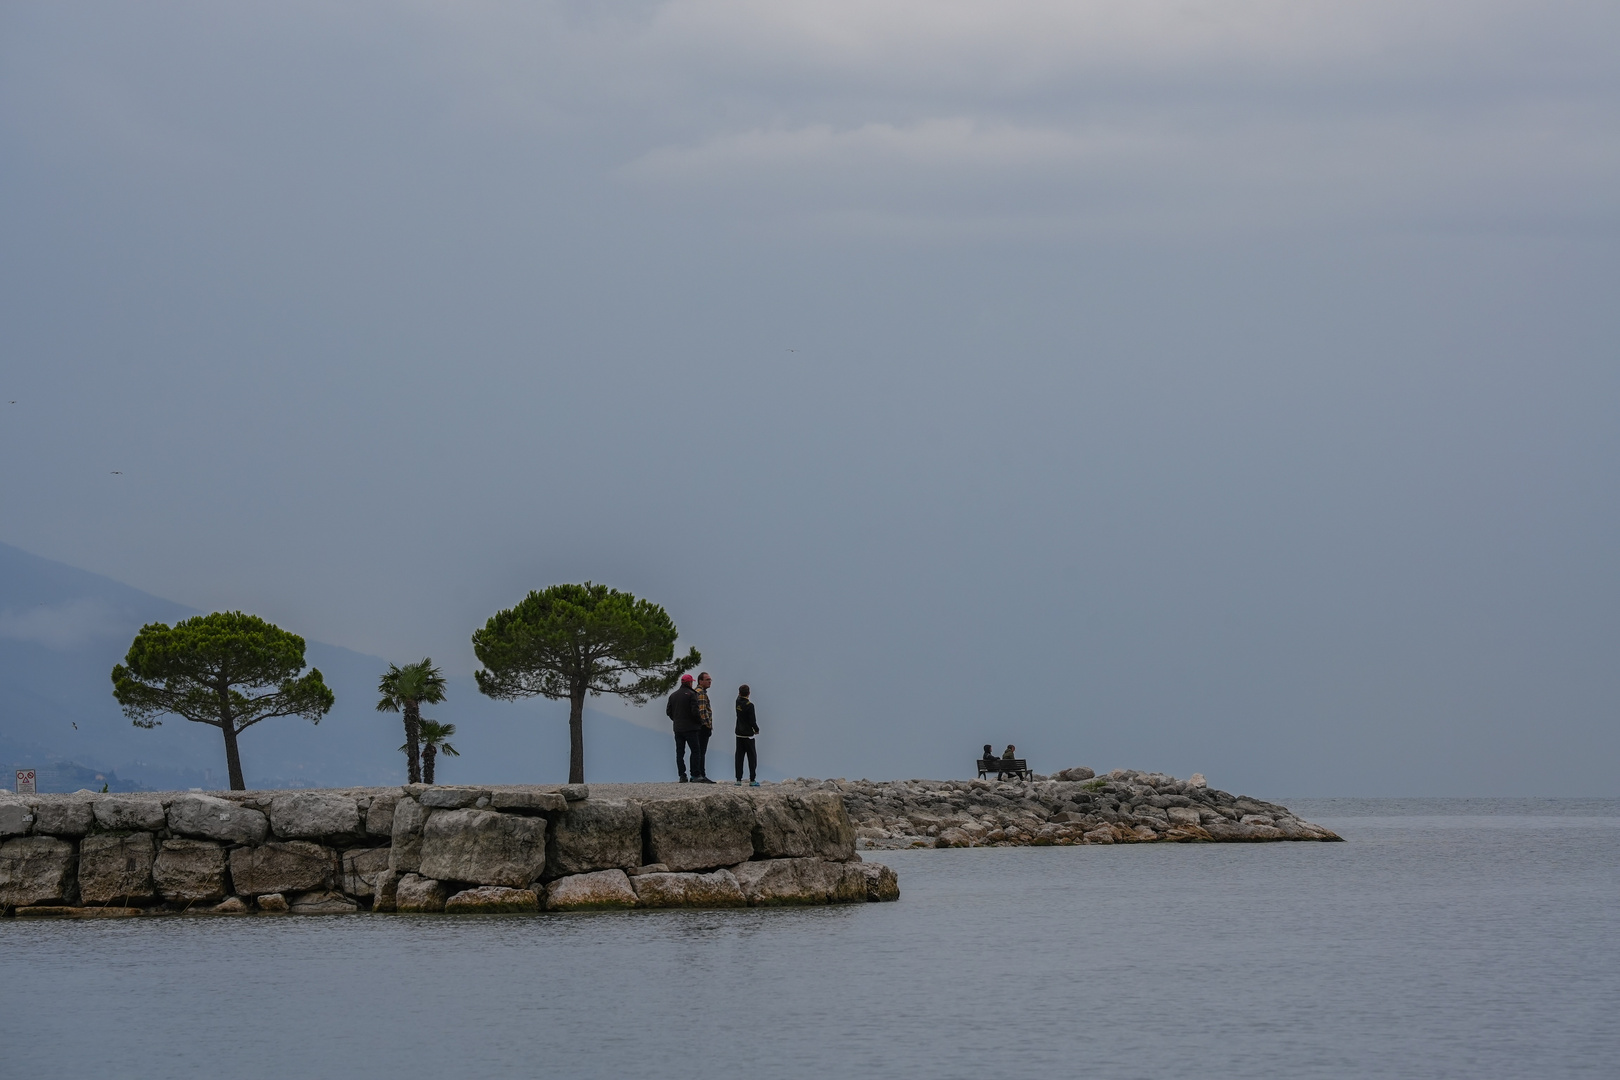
{"x": 1004, "y": 767}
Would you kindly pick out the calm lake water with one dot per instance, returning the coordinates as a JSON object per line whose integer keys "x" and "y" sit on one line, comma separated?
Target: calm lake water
{"x": 1448, "y": 938}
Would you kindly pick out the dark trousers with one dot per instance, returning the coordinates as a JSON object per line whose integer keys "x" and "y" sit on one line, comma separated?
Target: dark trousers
{"x": 702, "y": 765}
{"x": 745, "y": 749}
{"x": 695, "y": 740}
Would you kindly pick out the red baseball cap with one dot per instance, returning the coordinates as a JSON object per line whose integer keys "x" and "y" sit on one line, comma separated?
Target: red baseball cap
{"x": 686, "y": 678}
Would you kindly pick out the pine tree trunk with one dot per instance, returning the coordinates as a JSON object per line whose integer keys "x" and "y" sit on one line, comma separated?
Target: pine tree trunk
{"x": 430, "y": 754}
{"x": 413, "y": 735}
{"x": 576, "y": 734}
{"x": 227, "y": 727}
{"x": 233, "y": 760}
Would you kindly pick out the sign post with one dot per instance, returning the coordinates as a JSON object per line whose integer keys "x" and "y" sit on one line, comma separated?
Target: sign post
{"x": 25, "y": 782}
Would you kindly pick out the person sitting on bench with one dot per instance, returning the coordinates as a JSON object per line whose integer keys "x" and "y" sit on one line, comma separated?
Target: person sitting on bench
{"x": 1008, "y": 756}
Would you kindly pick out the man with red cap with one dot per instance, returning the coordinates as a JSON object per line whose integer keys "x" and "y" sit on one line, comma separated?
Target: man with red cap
{"x": 682, "y": 711}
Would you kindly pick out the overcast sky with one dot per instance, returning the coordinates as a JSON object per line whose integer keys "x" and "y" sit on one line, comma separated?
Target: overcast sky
{"x": 1218, "y": 385}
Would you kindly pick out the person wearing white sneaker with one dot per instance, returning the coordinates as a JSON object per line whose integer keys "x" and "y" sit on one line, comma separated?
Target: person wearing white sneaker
{"x": 747, "y": 728}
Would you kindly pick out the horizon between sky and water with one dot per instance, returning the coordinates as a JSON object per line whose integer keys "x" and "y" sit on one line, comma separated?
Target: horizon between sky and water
{"x": 62, "y": 629}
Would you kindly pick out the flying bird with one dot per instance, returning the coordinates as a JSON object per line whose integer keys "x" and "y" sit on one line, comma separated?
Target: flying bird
{"x": 75, "y": 727}
{"x": 117, "y": 472}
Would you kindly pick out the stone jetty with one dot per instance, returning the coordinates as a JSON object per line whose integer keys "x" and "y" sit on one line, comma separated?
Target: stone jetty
{"x": 1072, "y": 807}
{"x": 425, "y": 848}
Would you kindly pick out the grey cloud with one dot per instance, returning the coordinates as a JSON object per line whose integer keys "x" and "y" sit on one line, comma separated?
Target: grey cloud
{"x": 62, "y": 626}
{"x": 1229, "y": 388}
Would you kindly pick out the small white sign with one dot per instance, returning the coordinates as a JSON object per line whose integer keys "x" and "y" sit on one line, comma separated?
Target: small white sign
{"x": 25, "y": 781}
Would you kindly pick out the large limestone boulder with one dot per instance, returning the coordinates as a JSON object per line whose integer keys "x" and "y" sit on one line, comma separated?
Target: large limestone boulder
{"x": 492, "y": 900}
{"x": 289, "y": 867}
{"x": 593, "y": 834}
{"x": 1232, "y": 831}
{"x": 36, "y": 870}
{"x": 143, "y": 813}
{"x": 208, "y": 818}
{"x": 853, "y": 883}
{"x": 69, "y": 816}
{"x": 16, "y": 816}
{"x": 716, "y": 890}
{"x": 416, "y": 893}
{"x": 190, "y": 871}
{"x": 380, "y": 815}
{"x": 386, "y": 895}
{"x": 699, "y": 834}
{"x": 312, "y": 815}
{"x": 449, "y": 798}
{"x": 405, "y": 853}
{"x": 361, "y": 869}
{"x": 527, "y": 802}
{"x": 117, "y": 867}
{"x": 483, "y": 847}
{"x": 57, "y": 911}
{"x": 321, "y": 903}
{"x": 769, "y": 882}
{"x": 591, "y": 892}
{"x": 813, "y": 825}
{"x": 879, "y": 882}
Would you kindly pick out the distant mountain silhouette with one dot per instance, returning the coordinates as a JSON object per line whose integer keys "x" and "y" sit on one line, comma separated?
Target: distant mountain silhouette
{"x": 62, "y": 629}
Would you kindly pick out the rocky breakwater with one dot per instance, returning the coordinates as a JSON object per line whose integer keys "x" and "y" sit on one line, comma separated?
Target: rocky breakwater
{"x": 429, "y": 849}
{"x": 1072, "y": 807}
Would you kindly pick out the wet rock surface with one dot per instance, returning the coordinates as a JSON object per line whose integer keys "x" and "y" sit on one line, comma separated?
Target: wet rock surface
{"x": 416, "y": 893}
{"x": 492, "y": 900}
{"x": 322, "y": 902}
{"x": 714, "y": 890}
{"x": 595, "y": 891}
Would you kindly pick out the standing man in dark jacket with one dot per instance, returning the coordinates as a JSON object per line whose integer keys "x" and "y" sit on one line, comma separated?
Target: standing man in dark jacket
{"x": 747, "y": 728}
{"x": 700, "y": 772}
{"x": 682, "y": 711}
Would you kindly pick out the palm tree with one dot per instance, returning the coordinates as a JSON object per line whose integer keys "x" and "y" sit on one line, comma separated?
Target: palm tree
{"x": 405, "y": 690}
{"x": 434, "y": 739}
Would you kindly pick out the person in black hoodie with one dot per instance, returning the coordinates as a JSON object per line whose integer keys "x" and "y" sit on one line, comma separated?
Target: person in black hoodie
{"x": 682, "y": 711}
{"x": 747, "y": 728}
